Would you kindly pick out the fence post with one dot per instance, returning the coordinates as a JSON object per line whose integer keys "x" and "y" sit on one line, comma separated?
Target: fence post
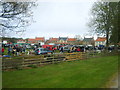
{"x": 86, "y": 55}
{"x": 82, "y": 55}
{"x": 40, "y": 60}
{"x": 76, "y": 56}
{"x": 53, "y": 59}
{"x": 23, "y": 62}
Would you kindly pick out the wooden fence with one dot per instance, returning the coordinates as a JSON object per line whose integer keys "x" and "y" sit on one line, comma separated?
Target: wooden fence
{"x": 75, "y": 56}
{"x": 41, "y": 60}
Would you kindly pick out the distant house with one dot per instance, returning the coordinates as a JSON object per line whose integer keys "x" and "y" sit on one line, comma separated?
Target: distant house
{"x": 88, "y": 41}
{"x": 100, "y": 41}
{"x": 31, "y": 41}
{"x": 53, "y": 40}
{"x": 62, "y": 40}
{"x": 71, "y": 40}
{"x": 21, "y": 41}
{"x": 40, "y": 39}
{"x": 37, "y": 40}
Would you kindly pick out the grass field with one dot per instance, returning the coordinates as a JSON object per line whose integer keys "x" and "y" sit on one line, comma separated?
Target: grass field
{"x": 92, "y": 73}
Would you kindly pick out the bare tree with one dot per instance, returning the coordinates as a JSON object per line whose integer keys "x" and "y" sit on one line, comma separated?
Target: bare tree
{"x": 15, "y": 16}
{"x": 78, "y": 37}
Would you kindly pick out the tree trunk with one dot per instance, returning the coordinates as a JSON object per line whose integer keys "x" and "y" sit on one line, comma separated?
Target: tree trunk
{"x": 107, "y": 39}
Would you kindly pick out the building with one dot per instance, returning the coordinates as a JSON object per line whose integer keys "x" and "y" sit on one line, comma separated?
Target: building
{"x": 100, "y": 41}
{"x": 31, "y": 41}
{"x": 61, "y": 40}
{"x": 40, "y": 40}
{"x": 53, "y": 40}
{"x": 88, "y": 41}
{"x": 72, "y": 40}
{"x": 21, "y": 41}
{"x": 37, "y": 40}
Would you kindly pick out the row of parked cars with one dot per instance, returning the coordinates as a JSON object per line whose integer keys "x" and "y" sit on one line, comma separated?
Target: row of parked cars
{"x": 67, "y": 48}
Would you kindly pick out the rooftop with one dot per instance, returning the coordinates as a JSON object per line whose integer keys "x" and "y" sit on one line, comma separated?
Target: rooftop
{"x": 101, "y": 39}
{"x": 88, "y": 39}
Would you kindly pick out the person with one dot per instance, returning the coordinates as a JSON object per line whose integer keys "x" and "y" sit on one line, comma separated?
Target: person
{"x": 54, "y": 48}
{"x": 71, "y": 49}
{"x": 28, "y": 52}
{"x": 14, "y": 50}
{"x": 74, "y": 49}
{"x": 17, "y": 51}
{"x": 61, "y": 49}
{"x": 82, "y": 49}
{"x": 24, "y": 49}
{"x": 9, "y": 50}
{"x": 20, "y": 50}
{"x": 3, "y": 51}
{"x": 78, "y": 49}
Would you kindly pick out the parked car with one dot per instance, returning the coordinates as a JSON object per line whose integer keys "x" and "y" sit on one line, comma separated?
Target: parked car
{"x": 39, "y": 51}
{"x": 6, "y": 45}
{"x": 66, "y": 48}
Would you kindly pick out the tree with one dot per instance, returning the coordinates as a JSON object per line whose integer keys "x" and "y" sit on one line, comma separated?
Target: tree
{"x": 15, "y": 16}
{"x": 78, "y": 37}
{"x": 12, "y": 40}
{"x": 105, "y": 20}
{"x": 115, "y": 36}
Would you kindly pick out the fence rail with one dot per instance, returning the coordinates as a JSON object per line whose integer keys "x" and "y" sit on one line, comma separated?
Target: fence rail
{"x": 42, "y": 60}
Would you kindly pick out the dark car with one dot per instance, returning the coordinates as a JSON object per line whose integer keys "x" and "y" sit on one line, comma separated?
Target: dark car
{"x": 43, "y": 51}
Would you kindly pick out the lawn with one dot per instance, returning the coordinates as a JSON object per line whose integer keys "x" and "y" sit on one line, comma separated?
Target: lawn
{"x": 91, "y": 73}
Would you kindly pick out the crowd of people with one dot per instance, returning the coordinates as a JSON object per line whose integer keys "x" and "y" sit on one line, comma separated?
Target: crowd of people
{"x": 14, "y": 50}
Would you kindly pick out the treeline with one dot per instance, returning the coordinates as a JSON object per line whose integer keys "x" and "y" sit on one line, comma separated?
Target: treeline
{"x": 12, "y": 40}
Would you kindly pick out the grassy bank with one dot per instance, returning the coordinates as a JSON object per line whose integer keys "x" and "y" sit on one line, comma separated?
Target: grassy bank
{"x": 92, "y": 73}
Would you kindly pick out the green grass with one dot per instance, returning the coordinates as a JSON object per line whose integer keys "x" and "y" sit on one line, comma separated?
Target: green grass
{"x": 92, "y": 73}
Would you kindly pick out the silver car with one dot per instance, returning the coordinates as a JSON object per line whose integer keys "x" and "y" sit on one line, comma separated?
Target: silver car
{"x": 39, "y": 51}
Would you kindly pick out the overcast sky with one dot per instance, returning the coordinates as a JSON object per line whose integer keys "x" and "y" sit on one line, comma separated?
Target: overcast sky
{"x": 64, "y": 19}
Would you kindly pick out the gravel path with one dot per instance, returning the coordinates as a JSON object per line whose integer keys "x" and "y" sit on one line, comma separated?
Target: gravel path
{"x": 113, "y": 82}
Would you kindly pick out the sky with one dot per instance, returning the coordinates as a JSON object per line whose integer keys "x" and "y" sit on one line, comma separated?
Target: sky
{"x": 60, "y": 19}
